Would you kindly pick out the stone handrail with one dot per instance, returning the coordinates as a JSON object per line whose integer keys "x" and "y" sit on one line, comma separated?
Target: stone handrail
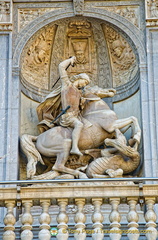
{"x": 80, "y": 193}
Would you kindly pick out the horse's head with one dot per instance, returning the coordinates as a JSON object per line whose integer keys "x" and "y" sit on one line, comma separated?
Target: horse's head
{"x": 99, "y": 92}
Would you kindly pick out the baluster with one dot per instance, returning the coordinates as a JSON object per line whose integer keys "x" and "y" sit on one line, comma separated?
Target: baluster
{"x": 62, "y": 219}
{"x": 80, "y": 218}
{"x": 27, "y": 221}
{"x": 115, "y": 232}
{"x": 97, "y": 219}
{"x": 132, "y": 217}
{"x": 44, "y": 220}
{"x": 9, "y": 221}
{"x": 150, "y": 217}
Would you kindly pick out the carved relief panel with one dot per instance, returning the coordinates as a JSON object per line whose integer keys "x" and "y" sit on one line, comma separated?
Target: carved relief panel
{"x": 4, "y": 11}
{"x": 79, "y": 43}
{"x": 101, "y": 51}
{"x": 36, "y": 59}
{"x": 131, "y": 13}
{"x": 123, "y": 60}
{"x": 152, "y": 9}
{"x": 26, "y": 15}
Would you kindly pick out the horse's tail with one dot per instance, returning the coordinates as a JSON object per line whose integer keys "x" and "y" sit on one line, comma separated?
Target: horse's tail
{"x": 33, "y": 156}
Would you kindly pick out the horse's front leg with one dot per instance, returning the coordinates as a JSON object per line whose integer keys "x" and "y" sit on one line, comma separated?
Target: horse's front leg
{"x": 121, "y": 123}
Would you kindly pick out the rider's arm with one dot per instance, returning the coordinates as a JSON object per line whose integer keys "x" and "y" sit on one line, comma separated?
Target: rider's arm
{"x": 63, "y": 69}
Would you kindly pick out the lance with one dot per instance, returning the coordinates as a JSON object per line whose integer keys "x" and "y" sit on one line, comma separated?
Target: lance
{"x": 62, "y": 112}
{"x": 59, "y": 77}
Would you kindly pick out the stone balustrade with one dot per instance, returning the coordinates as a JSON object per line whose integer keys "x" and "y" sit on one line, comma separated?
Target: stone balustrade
{"x": 103, "y": 219}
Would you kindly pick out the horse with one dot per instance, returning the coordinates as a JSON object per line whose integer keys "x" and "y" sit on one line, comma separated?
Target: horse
{"x": 100, "y": 122}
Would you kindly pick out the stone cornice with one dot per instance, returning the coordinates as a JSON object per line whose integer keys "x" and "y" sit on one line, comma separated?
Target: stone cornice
{"x": 76, "y": 190}
{"x": 152, "y": 22}
{"x": 6, "y": 26}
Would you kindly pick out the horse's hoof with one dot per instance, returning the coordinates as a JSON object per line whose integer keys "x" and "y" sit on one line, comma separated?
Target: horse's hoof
{"x": 82, "y": 175}
{"x": 76, "y": 152}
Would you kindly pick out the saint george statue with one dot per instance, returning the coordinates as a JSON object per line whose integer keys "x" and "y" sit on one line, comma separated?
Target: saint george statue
{"x": 83, "y": 125}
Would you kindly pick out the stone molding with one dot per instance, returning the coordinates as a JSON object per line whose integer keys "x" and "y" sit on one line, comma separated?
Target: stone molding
{"x": 78, "y": 7}
{"x": 75, "y": 190}
{"x": 127, "y": 89}
{"x": 152, "y": 22}
{"x": 15, "y": 71}
{"x": 32, "y": 91}
{"x": 6, "y": 27}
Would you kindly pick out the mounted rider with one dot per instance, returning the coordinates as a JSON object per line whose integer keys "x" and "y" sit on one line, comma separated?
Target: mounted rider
{"x": 71, "y": 94}
{"x": 68, "y": 94}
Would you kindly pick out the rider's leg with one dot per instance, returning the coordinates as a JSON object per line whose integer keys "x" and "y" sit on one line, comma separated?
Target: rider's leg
{"x": 75, "y": 136}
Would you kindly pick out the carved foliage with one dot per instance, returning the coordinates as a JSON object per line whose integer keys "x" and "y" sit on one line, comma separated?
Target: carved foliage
{"x": 123, "y": 60}
{"x": 128, "y": 12}
{"x": 28, "y": 15}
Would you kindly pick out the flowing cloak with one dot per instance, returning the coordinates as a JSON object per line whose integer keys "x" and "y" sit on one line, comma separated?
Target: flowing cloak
{"x": 50, "y": 108}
